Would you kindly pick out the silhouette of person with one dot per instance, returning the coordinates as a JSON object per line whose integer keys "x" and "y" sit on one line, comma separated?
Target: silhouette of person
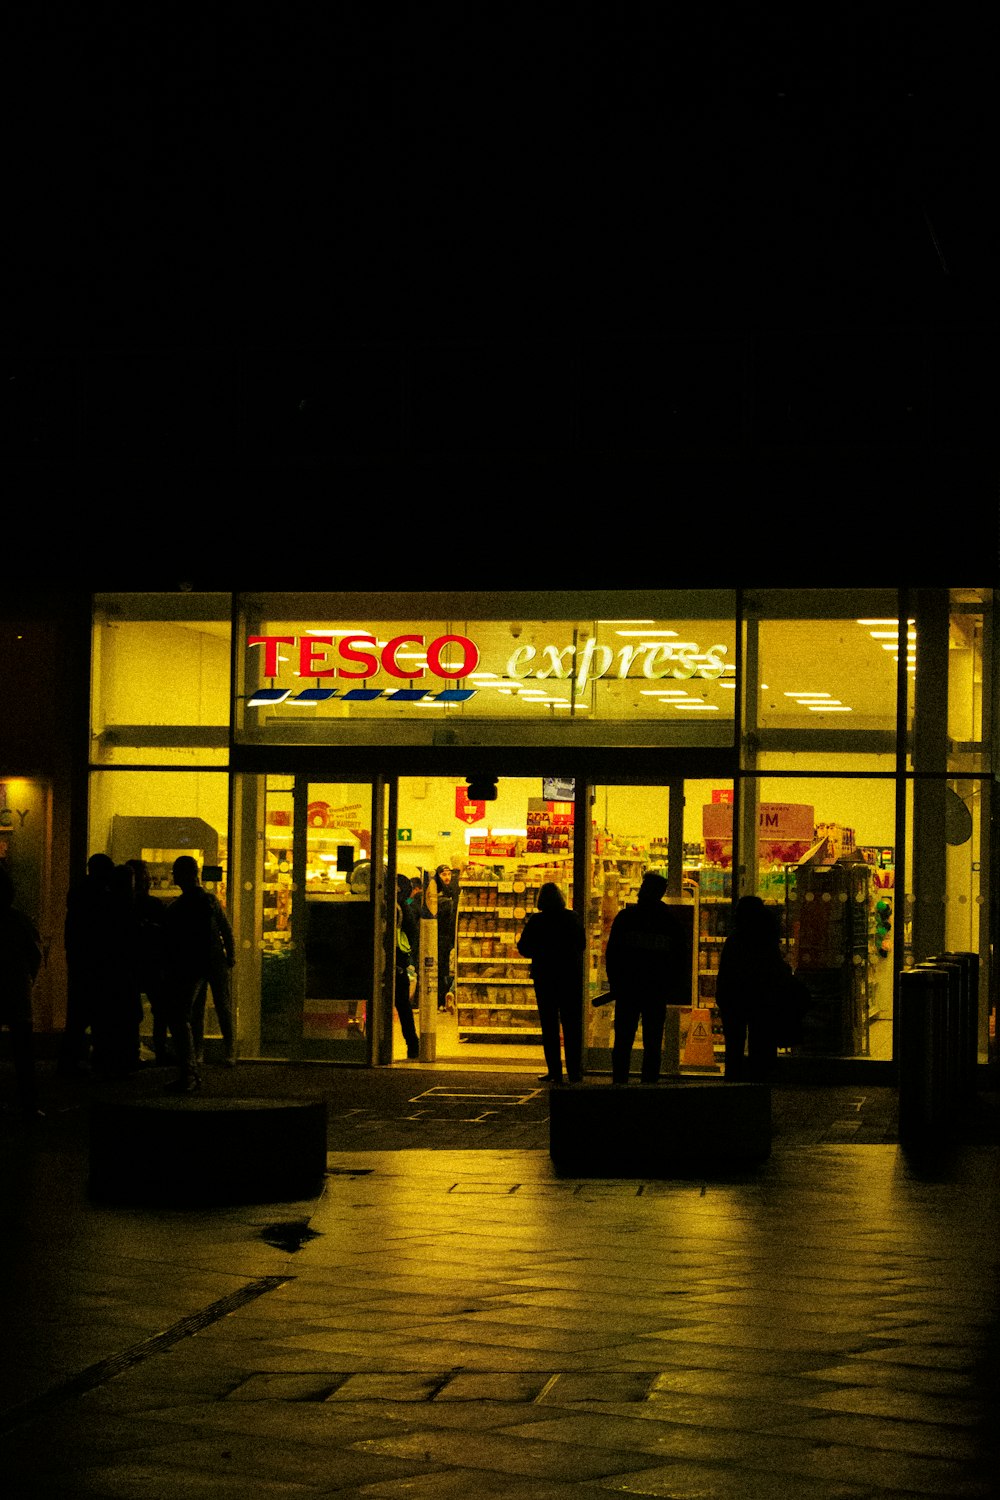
{"x": 218, "y": 979}
{"x": 151, "y": 966}
{"x": 20, "y": 961}
{"x": 553, "y": 939}
{"x": 752, "y": 973}
{"x": 642, "y": 963}
{"x": 89, "y": 941}
{"x": 190, "y": 938}
{"x": 407, "y": 945}
{"x": 116, "y": 1015}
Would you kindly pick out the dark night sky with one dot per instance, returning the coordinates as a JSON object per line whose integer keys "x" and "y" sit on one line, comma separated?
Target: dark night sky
{"x": 541, "y": 182}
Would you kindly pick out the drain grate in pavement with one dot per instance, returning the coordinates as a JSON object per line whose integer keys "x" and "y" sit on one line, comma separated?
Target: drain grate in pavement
{"x": 107, "y": 1369}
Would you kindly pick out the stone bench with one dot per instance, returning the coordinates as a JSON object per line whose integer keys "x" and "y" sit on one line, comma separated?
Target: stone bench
{"x": 675, "y": 1128}
{"x": 193, "y": 1151}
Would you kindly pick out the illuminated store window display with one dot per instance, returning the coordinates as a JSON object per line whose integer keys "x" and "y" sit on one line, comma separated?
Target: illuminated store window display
{"x": 827, "y": 749}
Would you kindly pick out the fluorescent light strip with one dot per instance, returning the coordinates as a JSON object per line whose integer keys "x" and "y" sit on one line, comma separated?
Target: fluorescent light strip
{"x": 646, "y": 632}
{"x": 712, "y": 708}
{"x": 829, "y": 708}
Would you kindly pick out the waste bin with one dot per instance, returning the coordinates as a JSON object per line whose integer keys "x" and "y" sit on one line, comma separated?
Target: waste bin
{"x": 926, "y": 1056}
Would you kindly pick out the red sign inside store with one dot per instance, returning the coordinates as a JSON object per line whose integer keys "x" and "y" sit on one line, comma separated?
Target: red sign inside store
{"x": 466, "y": 811}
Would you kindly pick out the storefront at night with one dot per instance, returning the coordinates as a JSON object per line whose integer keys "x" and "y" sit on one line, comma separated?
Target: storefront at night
{"x": 827, "y": 749}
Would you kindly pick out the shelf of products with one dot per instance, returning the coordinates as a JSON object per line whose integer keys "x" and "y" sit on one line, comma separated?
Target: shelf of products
{"x": 494, "y": 996}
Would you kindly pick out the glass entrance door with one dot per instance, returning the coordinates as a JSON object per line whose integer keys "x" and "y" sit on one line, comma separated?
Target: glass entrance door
{"x": 317, "y": 926}
{"x": 667, "y": 830}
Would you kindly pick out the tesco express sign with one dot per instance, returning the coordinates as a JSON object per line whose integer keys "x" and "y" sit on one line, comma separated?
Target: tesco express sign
{"x": 361, "y": 656}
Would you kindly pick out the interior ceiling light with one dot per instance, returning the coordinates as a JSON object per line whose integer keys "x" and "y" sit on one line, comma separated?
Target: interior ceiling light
{"x": 646, "y": 632}
{"x": 807, "y": 695}
{"x": 829, "y": 708}
{"x": 712, "y": 708}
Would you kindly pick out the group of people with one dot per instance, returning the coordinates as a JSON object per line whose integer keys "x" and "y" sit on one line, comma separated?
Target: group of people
{"x": 648, "y": 966}
{"x": 123, "y": 943}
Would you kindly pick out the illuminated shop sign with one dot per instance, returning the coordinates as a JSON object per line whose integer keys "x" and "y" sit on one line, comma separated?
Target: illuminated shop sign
{"x": 359, "y": 657}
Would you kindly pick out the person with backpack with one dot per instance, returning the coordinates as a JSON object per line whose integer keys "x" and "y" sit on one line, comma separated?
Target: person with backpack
{"x": 190, "y": 937}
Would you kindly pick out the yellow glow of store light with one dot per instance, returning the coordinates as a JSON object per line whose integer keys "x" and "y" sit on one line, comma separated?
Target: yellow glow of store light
{"x": 646, "y": 633}
{"x": 705, "y": 708}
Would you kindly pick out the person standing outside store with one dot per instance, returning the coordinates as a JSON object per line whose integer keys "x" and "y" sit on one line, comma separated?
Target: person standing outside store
{"x": 20, "y": 961}
{"x": 222, "y": 961}
{"x": 189, "y": 940}
{"x": 752, "y": 975}
{"x": 553, "y": 939}
{"x": 642, "y": 964}
{"x": 90, "y": 949}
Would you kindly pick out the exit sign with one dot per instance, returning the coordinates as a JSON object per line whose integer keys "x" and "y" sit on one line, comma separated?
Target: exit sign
{"x": 404, "y": 835}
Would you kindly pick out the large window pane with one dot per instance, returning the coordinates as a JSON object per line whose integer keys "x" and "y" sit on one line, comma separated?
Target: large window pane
{"x": 948, "y": 711}
{"x": 160, "y": 677}
{"x": 815, "y": 662}
{"x": 836, "y": 896}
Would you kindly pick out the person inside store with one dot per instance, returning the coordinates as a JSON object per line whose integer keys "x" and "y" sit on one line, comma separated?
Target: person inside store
{"x": 189, "y": 944}
{"x": 20, "y": 961}
{"x": 447, "y": 912}
{"x": 222, "y": 960}
{"x": 753, "y": 976}
{"x": 407, "y": 947}
{"x": 88, "y": 936}
{"x": 644, "y": 965}
{"x": 553, "y": 939}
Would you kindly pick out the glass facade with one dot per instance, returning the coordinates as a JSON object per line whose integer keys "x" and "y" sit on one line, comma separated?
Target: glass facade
{"x": 827, "y": 749}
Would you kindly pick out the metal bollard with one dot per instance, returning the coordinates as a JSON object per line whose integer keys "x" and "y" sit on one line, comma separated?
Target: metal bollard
{"x": 925, "y": 1106}
{"x": 953, "y": 1050}
{"x": 968, "y": 1023}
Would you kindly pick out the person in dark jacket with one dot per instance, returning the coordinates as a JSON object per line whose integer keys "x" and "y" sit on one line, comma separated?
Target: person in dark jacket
{"x": 90, "y": 956}
{"x": 20, "y": 961}
{"x": 642, "y": 961}
{"x": 150, "y": 912}
{"x": 553, "y": 939}
{"x": 190, "y": 939}
{"x": 752, "y": 974}
{"x": 222, "y": 961}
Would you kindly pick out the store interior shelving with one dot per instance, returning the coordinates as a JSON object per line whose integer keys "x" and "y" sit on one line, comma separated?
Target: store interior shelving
{"x": 494, "y": 996}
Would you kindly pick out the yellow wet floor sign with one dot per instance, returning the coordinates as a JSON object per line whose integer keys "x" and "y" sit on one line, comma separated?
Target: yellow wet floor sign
{"x": 697, "y": 1048}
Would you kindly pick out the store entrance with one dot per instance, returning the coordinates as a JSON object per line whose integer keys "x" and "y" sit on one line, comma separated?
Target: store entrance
{"x": 475, "y": 872}
{"x": 475, "y": 869}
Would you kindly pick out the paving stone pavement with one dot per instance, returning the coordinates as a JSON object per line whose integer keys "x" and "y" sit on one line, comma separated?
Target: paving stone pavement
{"x": 449, "y": 1320}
